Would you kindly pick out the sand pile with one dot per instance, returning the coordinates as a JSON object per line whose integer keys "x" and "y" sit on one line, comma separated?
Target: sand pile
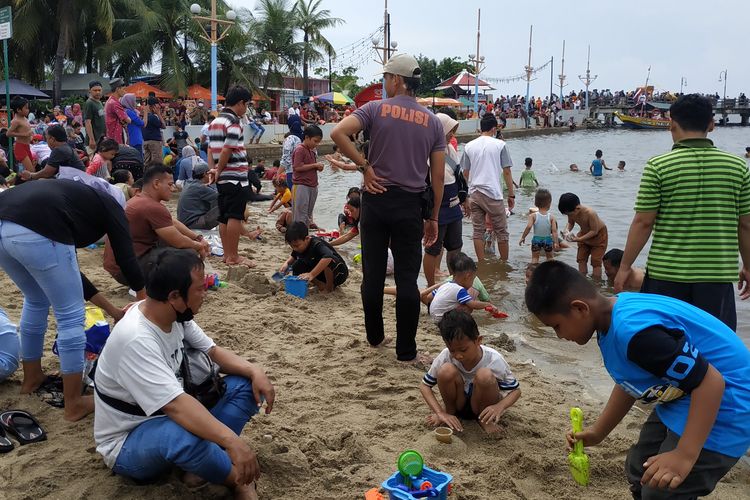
{"x": 344, "y": 410}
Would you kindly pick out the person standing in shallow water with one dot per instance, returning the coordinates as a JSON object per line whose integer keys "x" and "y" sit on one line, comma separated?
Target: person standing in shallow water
{"x": 407, "y": 146}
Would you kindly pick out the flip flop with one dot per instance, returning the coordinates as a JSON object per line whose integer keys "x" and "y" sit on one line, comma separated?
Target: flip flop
{"x": 23, "y": 426}
{"x": 6, "y": 444}
{"x": 51, "y": 392}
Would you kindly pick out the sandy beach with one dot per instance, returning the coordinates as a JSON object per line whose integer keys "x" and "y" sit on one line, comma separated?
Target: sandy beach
{"x": 344, "y": 411}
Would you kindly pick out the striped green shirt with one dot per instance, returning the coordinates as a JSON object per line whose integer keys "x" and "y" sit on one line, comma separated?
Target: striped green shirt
{"x": 699, "y": 193}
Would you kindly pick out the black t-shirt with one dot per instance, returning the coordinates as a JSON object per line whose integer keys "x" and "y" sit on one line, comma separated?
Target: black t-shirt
{"x": 180, "y": 139}
{"x": 73, "y": 213}
{"x": 657, "y": 349}
{"x": 64, "y": 156}
{"x": 317, "y": 249}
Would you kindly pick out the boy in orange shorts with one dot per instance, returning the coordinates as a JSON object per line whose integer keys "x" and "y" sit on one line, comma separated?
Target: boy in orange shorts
{"x": 20, "y": 130}
{"x": 591, "y": 239}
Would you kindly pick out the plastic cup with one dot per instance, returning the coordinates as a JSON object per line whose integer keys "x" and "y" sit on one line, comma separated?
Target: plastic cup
{"x": 444, "y": 434}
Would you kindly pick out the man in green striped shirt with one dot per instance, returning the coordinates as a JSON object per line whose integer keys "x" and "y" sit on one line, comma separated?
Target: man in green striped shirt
{"x": 696, "y": 201}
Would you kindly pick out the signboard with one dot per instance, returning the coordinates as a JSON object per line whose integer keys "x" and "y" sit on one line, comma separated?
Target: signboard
{"x": 6, "y": 23}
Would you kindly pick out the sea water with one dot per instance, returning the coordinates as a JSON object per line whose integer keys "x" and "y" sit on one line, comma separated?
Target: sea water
{"x": 612, "y": 196}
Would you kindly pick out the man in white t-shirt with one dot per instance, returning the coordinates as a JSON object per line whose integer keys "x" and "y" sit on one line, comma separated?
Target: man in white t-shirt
{"x": 145, "y": 423}
{"x": 294, "y": 110}
{"x": 483, "y": 161}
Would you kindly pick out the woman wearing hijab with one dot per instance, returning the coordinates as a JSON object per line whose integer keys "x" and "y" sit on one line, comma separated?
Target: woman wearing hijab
{"x": 135, "y": 127}
{"x": 186, "y": 164}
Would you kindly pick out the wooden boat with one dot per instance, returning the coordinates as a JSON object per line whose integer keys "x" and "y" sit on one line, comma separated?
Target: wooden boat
{"x": 643, "y": 122}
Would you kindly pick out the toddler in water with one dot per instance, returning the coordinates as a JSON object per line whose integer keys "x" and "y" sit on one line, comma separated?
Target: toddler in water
{"x": 598, "y": 164}
{"x": 528, "y": 177}
{"x": 544, "y": 225}
{"x": 592, "y": 238}
{"x": 612, "y": 260}
{"x": 475, "y": 381}
{"x": 621, "y": 166}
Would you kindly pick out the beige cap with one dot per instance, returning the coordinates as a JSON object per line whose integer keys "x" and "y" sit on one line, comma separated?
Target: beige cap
{"x": 403, "y": 65}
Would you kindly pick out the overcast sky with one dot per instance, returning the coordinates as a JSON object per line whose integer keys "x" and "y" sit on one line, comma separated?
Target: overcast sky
{"x": 690, "y": 38}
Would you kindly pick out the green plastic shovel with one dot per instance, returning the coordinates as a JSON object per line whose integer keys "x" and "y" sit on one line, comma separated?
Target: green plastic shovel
{"x": 578, "y": 460}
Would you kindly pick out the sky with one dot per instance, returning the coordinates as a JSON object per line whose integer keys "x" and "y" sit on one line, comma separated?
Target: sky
{"x": 693, "y": 39}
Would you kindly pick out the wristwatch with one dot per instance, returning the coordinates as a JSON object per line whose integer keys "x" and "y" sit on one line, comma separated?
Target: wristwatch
{"x": 363, "y": 168}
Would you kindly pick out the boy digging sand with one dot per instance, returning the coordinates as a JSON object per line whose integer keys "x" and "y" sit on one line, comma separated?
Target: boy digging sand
{"x": 658, "y": 350}
{"x": 592, "y": 239}
{"x": 314, "y": 259}
{"x": 474, "y": 380}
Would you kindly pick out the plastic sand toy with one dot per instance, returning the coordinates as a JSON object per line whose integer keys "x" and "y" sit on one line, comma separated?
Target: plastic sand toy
{"x": 495, "y": 312}
{"x": 578, "y": 460}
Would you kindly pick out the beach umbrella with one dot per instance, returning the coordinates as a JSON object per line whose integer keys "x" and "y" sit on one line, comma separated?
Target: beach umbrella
{"x": 464, "y": 81}
{"x": 439, "y": 102}
{"x": 333, "y": 98}
{"x": 141, "y": 90}
{"x": 23, "y": 89}
{"x": 199, "y": 92}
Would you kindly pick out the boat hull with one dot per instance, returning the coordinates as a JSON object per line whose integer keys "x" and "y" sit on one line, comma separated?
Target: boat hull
{"x": 642, "y": 123}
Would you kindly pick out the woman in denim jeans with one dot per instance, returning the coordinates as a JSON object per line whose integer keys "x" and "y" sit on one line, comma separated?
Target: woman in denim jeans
{"x": 41, "y": 225}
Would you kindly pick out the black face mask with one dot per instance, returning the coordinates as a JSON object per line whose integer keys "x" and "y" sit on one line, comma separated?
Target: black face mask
{"x": 184, "y": 316}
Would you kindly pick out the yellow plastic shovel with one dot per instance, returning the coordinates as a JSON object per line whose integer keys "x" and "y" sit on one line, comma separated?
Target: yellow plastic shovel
{"x": 578, "y": 460}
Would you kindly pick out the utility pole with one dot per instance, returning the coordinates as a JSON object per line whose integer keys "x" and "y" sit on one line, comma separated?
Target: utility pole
{"x": 388, "y": 45}
{"x": 561, "y": 76}
{"x": 588, "y": 79}
{"x": 683, "y": 83}
{"x": 478, "y": 66}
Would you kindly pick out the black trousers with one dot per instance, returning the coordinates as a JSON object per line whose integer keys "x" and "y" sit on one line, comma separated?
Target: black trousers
{"x": 656, "y": 438}
{"x": 717, "y": 299}
{"x": 392, "y": 217}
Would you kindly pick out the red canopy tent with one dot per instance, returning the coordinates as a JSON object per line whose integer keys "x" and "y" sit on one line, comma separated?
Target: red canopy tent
{"x": 141, "y": 90}
{"x": 464, "y": 81}
{"x": 372, "y": 92}
{"x": 199, "y": 92}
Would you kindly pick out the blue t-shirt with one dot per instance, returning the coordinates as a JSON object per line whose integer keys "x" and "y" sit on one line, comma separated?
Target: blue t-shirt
{"x": 135, "y": 128}
{"x": 597, "y": 164}
{"x": 704, "y": 339}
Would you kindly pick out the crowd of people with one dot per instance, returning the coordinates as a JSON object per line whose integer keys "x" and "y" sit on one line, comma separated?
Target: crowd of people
{"x": 673, "y": 343}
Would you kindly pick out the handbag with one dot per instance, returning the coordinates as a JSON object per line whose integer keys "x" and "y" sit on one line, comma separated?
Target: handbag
{"x": 463, "y": 186}
{"x": 200, "y": 377}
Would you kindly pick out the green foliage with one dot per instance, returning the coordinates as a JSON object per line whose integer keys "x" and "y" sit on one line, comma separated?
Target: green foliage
{"x": 433, "y": 72}
{"x": 344, "y": 82}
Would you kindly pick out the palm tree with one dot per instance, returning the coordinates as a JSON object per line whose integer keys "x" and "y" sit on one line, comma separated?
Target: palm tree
{"x": 156, "y": 31}
{"x": 312, "y": 21}
{"x": 44, "y": 24}
{"x": 272, "y": 33}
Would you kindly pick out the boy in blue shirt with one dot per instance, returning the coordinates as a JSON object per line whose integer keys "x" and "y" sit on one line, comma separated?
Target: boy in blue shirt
{"x": 598, "y": 164}
{"x": 664, "y": 351}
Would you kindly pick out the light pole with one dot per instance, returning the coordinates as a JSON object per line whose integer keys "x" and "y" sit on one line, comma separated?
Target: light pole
{"x": 529, "y": 69}
{"x": 683, "y": 83}
{"x": 724, "y": 73}
{"x": 213, "y": 38}
{"x": 561, "y": 76}
{"x": 588, "y": 79}
{"x": 478, "y": 66}
{"x": 389, "y": 46}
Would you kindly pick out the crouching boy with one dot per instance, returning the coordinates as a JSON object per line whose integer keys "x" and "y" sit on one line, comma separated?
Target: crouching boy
{"x": 664, "y": 351}
{"x": 474, "y": 380}
{"x": 145, "y": 423}
{"x": 313, "y": 259}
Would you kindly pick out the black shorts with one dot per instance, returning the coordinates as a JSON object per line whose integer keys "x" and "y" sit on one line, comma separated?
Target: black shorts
{"x": 337, "y": 266}
{"x": 716, "y": 299}
{"x": 449, "y": 236}
{"x": 232, "y": 201}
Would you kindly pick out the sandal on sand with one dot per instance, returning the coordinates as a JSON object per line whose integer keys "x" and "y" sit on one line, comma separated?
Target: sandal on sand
{"x": 22, "y": 426}
{"x": 6, "y": 444}
{"x": 51, "y": 392}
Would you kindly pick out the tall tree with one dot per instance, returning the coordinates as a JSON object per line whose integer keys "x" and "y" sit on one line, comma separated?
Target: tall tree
{"x": 44, "y": 24}
{"x": 276, "y": 52}
{"x": 311, "y": 20}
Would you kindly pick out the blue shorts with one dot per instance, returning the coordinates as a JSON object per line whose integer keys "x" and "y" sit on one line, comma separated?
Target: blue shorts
{"x": 539, "y": 243}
